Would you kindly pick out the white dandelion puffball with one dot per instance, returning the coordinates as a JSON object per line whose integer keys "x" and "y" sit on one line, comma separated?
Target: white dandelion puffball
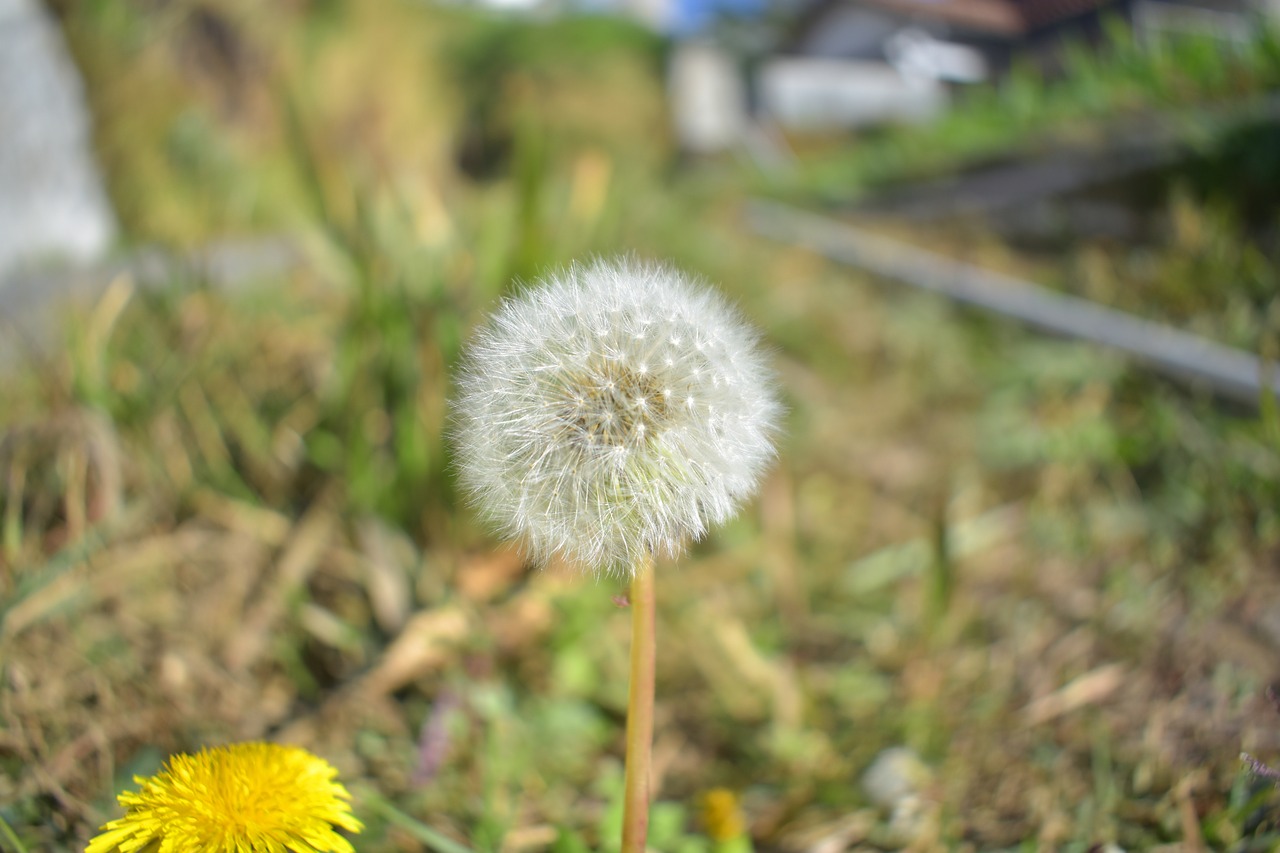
{"x": 616, "y": 410}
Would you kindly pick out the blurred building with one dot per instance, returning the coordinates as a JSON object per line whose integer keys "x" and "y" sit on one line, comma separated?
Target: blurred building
{"x": 940, "y": 32}
{"x": 841, "y": 64}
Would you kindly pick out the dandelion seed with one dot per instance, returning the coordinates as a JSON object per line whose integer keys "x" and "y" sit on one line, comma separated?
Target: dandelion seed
{"x": 621, "y": 448}
{"x": 245, "y": 798}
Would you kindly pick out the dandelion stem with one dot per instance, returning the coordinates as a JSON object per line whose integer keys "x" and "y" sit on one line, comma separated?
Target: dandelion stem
{"x": 635, "y": 809}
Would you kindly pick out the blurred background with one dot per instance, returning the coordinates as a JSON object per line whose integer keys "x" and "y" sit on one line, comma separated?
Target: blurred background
{"x": 1004, "y": 589}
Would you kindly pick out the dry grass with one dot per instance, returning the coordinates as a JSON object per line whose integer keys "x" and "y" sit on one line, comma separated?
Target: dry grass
{"x": 229, "y": 518}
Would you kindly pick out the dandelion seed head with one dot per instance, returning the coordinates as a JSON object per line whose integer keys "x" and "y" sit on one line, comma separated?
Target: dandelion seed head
{"x": 616, "y": 410}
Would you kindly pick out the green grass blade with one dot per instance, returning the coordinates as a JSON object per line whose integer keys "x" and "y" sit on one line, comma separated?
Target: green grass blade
{"x": 432, "y": 838}
{"x": 12, "y": 837}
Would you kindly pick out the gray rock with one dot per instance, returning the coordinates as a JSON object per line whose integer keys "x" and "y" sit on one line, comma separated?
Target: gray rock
{"x": 897, "y": 774}
{"x": 52, "y": 201}
{"x": 895, "y": 782}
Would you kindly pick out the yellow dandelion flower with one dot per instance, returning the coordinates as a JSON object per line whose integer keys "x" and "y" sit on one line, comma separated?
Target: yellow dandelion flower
{"x": 244, "y": 798}
{"x": 721, "y": 815}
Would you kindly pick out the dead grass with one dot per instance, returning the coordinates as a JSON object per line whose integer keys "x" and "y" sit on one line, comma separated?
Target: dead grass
{"x": 1055, "y": 581}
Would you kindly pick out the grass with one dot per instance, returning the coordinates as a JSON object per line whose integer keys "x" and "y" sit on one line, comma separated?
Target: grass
{"x": 231, "y": 516}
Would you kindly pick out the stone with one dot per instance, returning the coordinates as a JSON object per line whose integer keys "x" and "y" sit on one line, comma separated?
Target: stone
{"x": 895, "y": 782}
{"x": 895, "y": 775}
{"x": 53, "y": 205}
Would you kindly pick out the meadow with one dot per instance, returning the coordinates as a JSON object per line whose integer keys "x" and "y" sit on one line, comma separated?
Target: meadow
{"x": 231, "y": 514}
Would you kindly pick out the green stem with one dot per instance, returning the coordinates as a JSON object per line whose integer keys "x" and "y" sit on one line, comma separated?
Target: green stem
{"x": 635, "y": 806}
{"x": 12, "y": 837}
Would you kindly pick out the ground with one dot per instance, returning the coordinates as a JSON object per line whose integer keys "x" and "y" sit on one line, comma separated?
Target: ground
{"x": 231, "y": 516}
